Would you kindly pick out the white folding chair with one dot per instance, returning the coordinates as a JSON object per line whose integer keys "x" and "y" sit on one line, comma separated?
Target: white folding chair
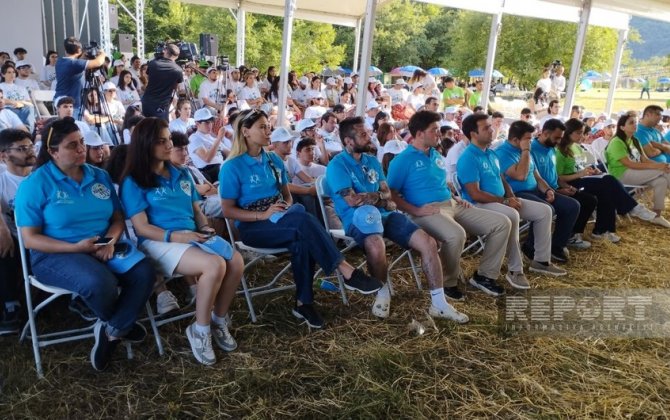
{"x": 258, "y": 255}
{"x": 322, "y": 193}
{"x": 30, "y": 329}
{"x": 477, "y": 245}
{"x": 39, "y": 98}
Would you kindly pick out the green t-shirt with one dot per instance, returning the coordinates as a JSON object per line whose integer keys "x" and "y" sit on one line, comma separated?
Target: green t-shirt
{"x": 566, "y": 165}
{"x": 616, "y": 150}
{"x": 474, "y": 99}
{"x": 196, "y": 81}
{"x": 453, "y": 93}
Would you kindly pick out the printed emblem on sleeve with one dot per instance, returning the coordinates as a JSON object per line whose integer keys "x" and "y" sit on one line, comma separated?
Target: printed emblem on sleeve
{"x": 100, "y": 191}
{"x": 186, "y": 187}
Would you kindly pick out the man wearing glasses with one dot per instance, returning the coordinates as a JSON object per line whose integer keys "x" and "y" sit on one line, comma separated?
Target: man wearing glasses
{"x": 16, "y": 150}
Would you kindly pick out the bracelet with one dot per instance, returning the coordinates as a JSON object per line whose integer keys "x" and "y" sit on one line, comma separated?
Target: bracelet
{"x": 525, "y": 150}
{"x": 166, "y": 235}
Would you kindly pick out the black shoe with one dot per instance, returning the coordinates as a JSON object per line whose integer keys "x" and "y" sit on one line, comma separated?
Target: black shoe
{"x": 560, "y": 255}
{"x": 101, "y": 353}
{"x": 307, "y": 312}
{"x": 486, "y": 285}
{"x": 453, "y": 294}
{"x": 9, "y": 322}
{"x": 362, "y": 283}
{"x": 137, "y": 334}
{"x": 79, "y": 307}
{"x": 528, "y": 252}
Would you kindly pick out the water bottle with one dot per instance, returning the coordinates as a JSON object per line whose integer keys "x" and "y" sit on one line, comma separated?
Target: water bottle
{"x": 327, "y": 285}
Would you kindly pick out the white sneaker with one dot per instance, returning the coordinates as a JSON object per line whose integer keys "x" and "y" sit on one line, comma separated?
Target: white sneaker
{"x": 642, "y": 213}
{"x": 577, "y": 242}
{"x": 606, "y": 236}
{"x": 201, "y": 346}
{"x": 450, "y": 313}
{"x": 659, "y": 220}
{"x": 222, "y": 336}
{"x": 382, "y": 307}
{"x": 166, "y": 302}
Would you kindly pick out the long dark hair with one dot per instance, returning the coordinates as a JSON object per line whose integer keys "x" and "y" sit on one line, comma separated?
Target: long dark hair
{"x": 122, "y": 84}
{"x": 571, "y": 125}
{"x": 274, "y": 89}
{"x": 140, "y": 152}
{"x": 622, "y": 134}
{"x": 49, "y": 53}
{"x": 52, "y": 136}
{"x": 380, "y": 116}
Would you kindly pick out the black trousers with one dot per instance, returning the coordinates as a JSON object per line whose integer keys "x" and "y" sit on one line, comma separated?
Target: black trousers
{"x": 612, "y": 198}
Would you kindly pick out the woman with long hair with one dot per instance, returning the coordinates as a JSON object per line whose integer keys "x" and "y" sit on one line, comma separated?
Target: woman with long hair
{"x": 48, "y": 73}
{"x": 127, "y": 93}
{"x": 627, "y": 162}
{"x": 253, "y": 186}
{"x": 610, "y": 196}
{"x": 71, "y": 220}
{"x": 250, "y": 92}
{"x": 184, "y": 121}
{"x": 162, "y": 203}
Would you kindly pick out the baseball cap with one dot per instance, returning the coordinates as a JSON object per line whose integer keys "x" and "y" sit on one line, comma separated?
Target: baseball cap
{"x": 372, "y": 80}
{"x": 588, "y": 115}
{"x": 338, "y": 77}
{"x": 450, "y": 124}
{"x": 609, "y": 122}
{"x": 119, "y": 63}
{"x": 368, "y": 219}
{"x": 400, "y": 81}
{"x": 92, "y": 138}
{"x": 665, "y": 113}
{"x": 203, "y": 114}
{"x": 394, "y": 147}
{"x": 303, "y": 80}
{"x": 22, "y": 63}
{"x": 372, "y": 105}
{"x": 599, "y": 126}
{"x": 281, "y": 135}
{"x": 348, "y": 80}
{"x": 109, "y": 86}
{"x": 451, "y": 110}
{"x": 416, "y": 85}
{"x": 211, "y": 69}
{"x": 216, "y": 245}
{"x": 354, "y": 74}
{"x": 304, "y": 124}
{"x": 125, "y": 257}
{"x": 330, "y": 81}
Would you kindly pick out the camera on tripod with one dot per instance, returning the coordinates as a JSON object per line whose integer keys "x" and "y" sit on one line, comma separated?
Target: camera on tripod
{"x": 91, "y": 50}
{"x": 187, "y": 50}
{"x": 223, "y": 63}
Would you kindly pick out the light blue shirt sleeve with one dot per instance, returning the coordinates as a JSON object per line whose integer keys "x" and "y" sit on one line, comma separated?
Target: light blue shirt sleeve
{"x": 397, "y": 173}
{"x": 467, "y": 169}
{"x": 28, "y": 204}
{"x": 230, "y": 186}
{"x": 338, "y": 176}
{"x": 133, "y": 197}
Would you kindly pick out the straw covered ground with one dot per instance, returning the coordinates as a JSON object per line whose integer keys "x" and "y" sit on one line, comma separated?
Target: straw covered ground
{"x": 361, "y": 367}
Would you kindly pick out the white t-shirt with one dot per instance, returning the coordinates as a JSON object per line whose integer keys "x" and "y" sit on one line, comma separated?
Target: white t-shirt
{"x": 9, "y": 183}
{"x": 14, "y": 92}
{"x": 398, "y": 96}
{"x": 127, "y": 96}
{"x": 179, "y": 125}
{"x": 28, "y": 83}
{"x": 315, "y": 111}
{"x": 199, "y": 140}
{"x": 314, "y": 170}
{"x": 292, "y": 167}
{"x": 300, "y": 96}
{"x": 417, "y": 101}
{"x": 9, "y": 119}
{"x": 558, "y": 84}
{"x": 249, "y": 93}
{"x": 48, "y": 74}
{"x": 545, "y": 84}
{"x": 452, "y": 159}
{"x": 209, "y": 90}
{"x": 331, "y": 141}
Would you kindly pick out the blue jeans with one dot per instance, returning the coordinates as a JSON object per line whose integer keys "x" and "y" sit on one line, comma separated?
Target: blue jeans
{"x": 305, "y": 238}
{"x": 27, "y": 115}
{"x": 566, "y": 210}
{"x": 397, "y": 227}
{"x": 91, "y": 279}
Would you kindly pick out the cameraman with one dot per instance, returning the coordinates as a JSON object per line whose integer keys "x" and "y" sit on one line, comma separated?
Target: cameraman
{"x": 164, "y": 77}
{"x": 70, "y": 70}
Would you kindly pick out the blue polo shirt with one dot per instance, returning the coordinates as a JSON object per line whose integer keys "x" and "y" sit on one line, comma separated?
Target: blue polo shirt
{"x": 70, "y": 78}
{"x": 65, "y": 209}
{"x": 247, "y": 179}
{"x": 168, "y": 206}
{"x": 545, "y": 159}
{"x": 508, "y": 156}
{"x": 482, "y": 167}
{"x": 646, "y": 135}
{"x": 419, "y": 178}
{"x": 343, "y": 172}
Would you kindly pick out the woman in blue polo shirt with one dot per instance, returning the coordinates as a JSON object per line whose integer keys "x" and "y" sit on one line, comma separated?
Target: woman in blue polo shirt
{"x": 254, "y": 190}
{"x": 162, "y": 202}
{"x": 63, "y": 208}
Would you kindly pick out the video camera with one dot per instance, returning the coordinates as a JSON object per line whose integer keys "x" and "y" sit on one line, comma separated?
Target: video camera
{"x": 223, "y": 63}
{"x": 554, "y": 65}
{"x": 187, "y": 50}
{"x": 91, "y": 50}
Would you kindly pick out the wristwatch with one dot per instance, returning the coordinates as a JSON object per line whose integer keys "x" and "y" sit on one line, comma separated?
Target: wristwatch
{"x": 505, "y": 201}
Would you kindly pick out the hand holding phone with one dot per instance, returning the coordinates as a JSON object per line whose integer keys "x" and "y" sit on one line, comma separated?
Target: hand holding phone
{"x": 103, "y": 241}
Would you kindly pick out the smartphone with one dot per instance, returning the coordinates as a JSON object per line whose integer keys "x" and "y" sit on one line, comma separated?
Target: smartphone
{"x": 103, "y": 241}
{"x": 121, "y": 249}
{"x": 208, "y": 233}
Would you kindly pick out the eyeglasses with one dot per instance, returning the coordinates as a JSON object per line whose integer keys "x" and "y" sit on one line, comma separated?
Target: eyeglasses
{"x": 22, "y": 149}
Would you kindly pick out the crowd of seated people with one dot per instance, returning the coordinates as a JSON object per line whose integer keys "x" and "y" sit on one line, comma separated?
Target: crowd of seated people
{"x": 412, "y": 176}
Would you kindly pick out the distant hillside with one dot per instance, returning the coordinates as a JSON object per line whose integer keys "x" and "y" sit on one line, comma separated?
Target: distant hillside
{"x": 655, "y": 36}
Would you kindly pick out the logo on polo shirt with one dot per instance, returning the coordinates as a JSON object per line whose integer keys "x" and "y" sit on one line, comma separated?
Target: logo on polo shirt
{"x": 373, "y": 176}
{"x": 100, "y": 191}
{"x": 419, "y": 164}
{"x": 186, "y": 187}
{"x": 440, "y": 163}
{"x": 63, "y": 198}
{"x": 254, "y": 179}
{"x": 159, "y": 193}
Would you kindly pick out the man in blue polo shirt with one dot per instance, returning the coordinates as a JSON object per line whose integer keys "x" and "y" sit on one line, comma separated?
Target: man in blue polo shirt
{"x": 70, "y": 71}
{"x": 651, "y": 140}
{"x": 478, "y": 171}
{"x": 363, "y": 201}
{"x": 418, "y": 184}
{"x": 525, "y": 181}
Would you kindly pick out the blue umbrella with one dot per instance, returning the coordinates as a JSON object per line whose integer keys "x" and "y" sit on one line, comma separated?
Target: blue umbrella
{"x": 409, "y": 70}
{"x": 497, "y": 75}
{"x": 375, "y": 71}
{"x": 592, "y": 75}
{"x": 346, "y": 71}
{"x": 439, "y": 71}
{"x": 480, "y": 73}
{"x": 664, "y": 79}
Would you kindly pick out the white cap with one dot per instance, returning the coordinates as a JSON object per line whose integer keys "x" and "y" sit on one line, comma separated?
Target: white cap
{"x": 211, "y": 69}
{"x": 348, "y": 80}
{"x": 400, "y": 81}
{"x": 22, "y": 63}
{"x": 92, "y": 138}
{"x": 281, "y": 135}
{"x": 394, "y": 147}
{"x": 372, "y": 105}
{"x": 450, "y": 124}
{"x": 665, "y": 113}
{"x": 330, "y": 81}
{"x": 304, "y": 124}
{"x": 109, "y": 86}
{"x": 203, "y": 114}
{"x": 416, "y": 85}
{"x": 588, "y": 115}
{"x": 315, "y": 94}
{"x": 451, "y": 110}
{"x": 354, "y": 74}
{"x": 610, "y": 121}
{"x": 119, "y": 63}
{"x": 372, "y": 80}
{"x": 599, "y": 126}
{"x": 338, "y": 77}
{"x": 303, "y": 80}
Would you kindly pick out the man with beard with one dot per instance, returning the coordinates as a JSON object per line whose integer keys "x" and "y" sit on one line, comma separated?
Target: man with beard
{"x": 363, "y": 202}
{"x": 17, "y": 151}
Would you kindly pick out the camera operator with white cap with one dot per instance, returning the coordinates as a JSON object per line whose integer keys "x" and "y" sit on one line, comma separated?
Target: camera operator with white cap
{"x": 70, "y": 70}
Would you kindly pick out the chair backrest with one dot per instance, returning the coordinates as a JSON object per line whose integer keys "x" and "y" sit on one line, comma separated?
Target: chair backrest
{"x": 23, "y": 253}
{"x": 41, "y": 96}
{"x": 231, "y": 231}
{"x": 322, "y": 192}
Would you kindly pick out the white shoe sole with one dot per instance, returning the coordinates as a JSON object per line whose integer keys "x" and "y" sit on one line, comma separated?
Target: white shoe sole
{"x": 457, "y": 317}
{"x": 381, "y": 308}
{"x": 302, "y": 318}
{"x": 473, "y": 283}
{"x": 514, "y": 285}
{"x": 545, "y": 272}
{"x": 191, "y": 340}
